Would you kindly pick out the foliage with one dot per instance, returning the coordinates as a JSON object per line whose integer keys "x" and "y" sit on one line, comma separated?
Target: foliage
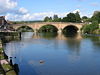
{"x": 71, "y": 17}
{"x": 90, "y": 28}
{"x": 84, "y": 17}
{"x": 25, "y": 29}
{"x": 86, "y": 29}
{"x": 48, "y": 19}
{"x": 1, "y": 49}
{"x": 96, "y": 17}
{"x": 54, "y": 19}
{"x": 64, "y": 19}
{"x": 48, "y": 28}
{"x": 78, "y": 18}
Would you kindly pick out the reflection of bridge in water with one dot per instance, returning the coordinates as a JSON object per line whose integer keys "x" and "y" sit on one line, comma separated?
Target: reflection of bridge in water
{"x": 58, "y": 36}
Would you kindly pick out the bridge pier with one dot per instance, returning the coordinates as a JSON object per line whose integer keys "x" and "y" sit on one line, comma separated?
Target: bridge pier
{"x": 59, "y": 30}
{"x": 79, "y": 31}
{"x": 35, "y": 30}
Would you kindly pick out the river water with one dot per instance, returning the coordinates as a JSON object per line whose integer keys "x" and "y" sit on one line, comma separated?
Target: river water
{"x": 55, "y": 54}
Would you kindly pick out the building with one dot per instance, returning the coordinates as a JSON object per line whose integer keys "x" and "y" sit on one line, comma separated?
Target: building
{"x": 3, "y": 22}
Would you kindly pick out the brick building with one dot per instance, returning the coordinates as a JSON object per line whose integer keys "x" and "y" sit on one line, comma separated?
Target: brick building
{"x": 2, "y": 20}
{"x": 3, "y": 23}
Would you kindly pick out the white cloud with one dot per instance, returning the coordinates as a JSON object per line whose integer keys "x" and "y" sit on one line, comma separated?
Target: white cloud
{"x": 10, "y": 6}
{"x": 7, "y": 6}
{"x": 10, "y": 9}
{"x": 77, "y": 10}
{"x": 23, "y": 10}
{"x": 34, "y": 16}
{"x": 26, "y": 16}
{"x": 38, "y": 16}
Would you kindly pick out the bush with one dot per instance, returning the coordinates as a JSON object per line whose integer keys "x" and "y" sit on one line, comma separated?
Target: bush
{"x": 90, "y": 28}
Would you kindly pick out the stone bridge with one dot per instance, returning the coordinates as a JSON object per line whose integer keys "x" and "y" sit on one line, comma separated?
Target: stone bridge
{"x": 59, "y": 25}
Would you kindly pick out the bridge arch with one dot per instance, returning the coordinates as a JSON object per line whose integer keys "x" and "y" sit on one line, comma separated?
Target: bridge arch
{"x": 48, "y": 28}
{"x": 24, "y": 28}
{"x": 59, "y": 25}
{"x": 70, "y": 29}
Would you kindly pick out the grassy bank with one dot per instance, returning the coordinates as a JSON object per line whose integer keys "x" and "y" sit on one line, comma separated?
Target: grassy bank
{"x": 5, "y": 67}
{"x": 97, "y": 31}
{"x": 1, "y": 54}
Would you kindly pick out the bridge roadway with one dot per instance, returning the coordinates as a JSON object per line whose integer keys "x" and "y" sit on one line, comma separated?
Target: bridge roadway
{"x": 59, "y": 25}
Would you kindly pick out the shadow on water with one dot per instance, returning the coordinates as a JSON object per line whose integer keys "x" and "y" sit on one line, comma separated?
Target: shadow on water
{"x": 16, "y": 68}
{"x": 70, "y": 34}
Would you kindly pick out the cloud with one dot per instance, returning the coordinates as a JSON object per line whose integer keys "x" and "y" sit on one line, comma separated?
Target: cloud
{"x": 37, "y": 16}
{"x": 77, "y": 10}
{"x": 34, "y": 16}
{"x": 7, "y": 6}
{"x": 23, "y": 10}
{"x": 10, "y": 9}
{"x": 11, "y": 6}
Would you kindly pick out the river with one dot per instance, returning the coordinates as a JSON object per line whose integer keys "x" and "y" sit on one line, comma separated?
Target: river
{"x": 55, "y": 54}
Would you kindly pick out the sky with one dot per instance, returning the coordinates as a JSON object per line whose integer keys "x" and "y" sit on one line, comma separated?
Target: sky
{"x": 23, "y": 10}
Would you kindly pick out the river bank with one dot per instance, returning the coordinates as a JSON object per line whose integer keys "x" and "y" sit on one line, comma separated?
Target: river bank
{"x": 97, "y": 31}
{"x": 5, "y": 67}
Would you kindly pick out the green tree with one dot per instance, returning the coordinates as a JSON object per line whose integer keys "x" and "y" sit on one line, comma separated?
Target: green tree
{"x": 86, "y": 29}
{"x": 59, "y": 19}
{"x": 55, "y": 18}
{"x": 71, "y": 17}
{"x": 64, "y": 19}
{"x": 96, "y": 17}
{"x": 84, "y": 17}
{"x": 48, "y": 19}
{"x": 90, "y": 28}
{"x": 94, "y": 26}
{"x": 78, "y": 18}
